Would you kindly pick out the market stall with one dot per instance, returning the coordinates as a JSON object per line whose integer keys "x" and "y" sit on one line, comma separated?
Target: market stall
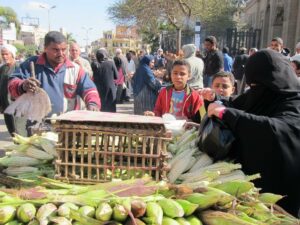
{"x": 125, "y": 169}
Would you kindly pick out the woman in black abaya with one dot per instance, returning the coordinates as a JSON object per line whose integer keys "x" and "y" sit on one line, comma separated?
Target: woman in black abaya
{"x": 266, "y": 123}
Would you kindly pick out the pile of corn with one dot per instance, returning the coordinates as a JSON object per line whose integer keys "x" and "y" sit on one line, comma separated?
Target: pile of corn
{"x": 194, "y": 168}
{"x": 235, "y": 202}
{"x": 30, "y": 157}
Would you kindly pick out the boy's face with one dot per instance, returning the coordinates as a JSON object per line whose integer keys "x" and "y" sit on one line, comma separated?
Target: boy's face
{"x": 179, "y": 76}
{"x": 223, "y": 86}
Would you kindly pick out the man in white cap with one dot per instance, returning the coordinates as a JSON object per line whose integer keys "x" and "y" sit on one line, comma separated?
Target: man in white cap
{"x": 8, "y": 54}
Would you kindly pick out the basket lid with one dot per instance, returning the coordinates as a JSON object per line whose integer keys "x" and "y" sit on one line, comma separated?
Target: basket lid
{"x": 91, "y": 116}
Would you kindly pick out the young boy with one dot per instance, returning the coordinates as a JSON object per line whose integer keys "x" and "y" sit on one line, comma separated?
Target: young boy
{"x": 179, "y": 99}
{"x": 222, "y": 86}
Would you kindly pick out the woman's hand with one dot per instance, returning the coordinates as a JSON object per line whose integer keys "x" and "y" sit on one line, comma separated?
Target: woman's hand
{"x": 207, "y": 93}
{"x": 214, "y": 109}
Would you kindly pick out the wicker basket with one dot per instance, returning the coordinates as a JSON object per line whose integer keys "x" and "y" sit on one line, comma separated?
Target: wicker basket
{"x": 97, "y": 147}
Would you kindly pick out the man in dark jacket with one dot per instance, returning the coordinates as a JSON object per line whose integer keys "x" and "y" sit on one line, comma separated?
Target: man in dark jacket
{"x": 213, "y": 62}
{"x": 238, "y": 67}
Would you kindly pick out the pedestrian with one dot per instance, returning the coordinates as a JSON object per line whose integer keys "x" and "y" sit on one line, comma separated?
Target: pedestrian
{"x": 196, "y": 64}
{"x": 238, "y": 68}
{"x": 145, "y": 86}
{"x": 75, "y": 51}
{"x": 295, "y": 63}
{"x": 121, "y": 79}
{"x": 159, "y": 59}
{"x": 213, "y": 61}
{"x": 227, "y": 60}
{"x": 266, "y": 124}
{"x": 60, "y": 78}
{"x": 179, "y": 99}
{"x": 252, "y": 51}
{"x": 277, "y": 45}
{"x": 105, "y": 74}
{"x": 8, "y": 54}
{"x": 130, "y": 71}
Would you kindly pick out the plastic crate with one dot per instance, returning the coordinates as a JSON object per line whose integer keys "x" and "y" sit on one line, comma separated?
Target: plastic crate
{"x": 97, "y": 147}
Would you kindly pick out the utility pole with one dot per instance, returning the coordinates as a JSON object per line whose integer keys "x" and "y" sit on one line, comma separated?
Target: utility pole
{"x": 48, "y": 8}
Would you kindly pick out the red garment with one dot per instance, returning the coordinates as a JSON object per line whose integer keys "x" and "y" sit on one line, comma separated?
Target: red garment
{"x": 121, "y": 78}
{"x": 192, "y": 103}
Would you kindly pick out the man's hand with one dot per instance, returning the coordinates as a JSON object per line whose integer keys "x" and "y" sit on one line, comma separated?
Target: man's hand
{"x": 207, "y": 93}
{"x": 78, "y": 62}
{"x": 30, "y": 85}
{"x": 93, "y": 108}
{"x": 149, "y": 113}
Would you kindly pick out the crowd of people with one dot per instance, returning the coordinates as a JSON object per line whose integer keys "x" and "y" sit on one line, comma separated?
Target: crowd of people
{"x": 259, "y": 91}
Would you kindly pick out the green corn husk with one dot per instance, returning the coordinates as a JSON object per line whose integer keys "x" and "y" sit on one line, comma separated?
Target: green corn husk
{"x": 135, "y": 222}
{"x": 182, "y": 221}
{"x": 171, "y": 208}
{"x": 16, "y": 161}
{"x": 269, "y": 198}
{"x": 34, "y": 222}
{"x": 64, "y": 209}
{"x": 38, "y": 154}
{"x": 7, "y": 213}
{"x": 104, "y": 212}
{"x": 217, "y": 217}
{"x": 87, "y": 211}
{"x": 193, "y": 220}
{"x": 26, "y": 212}
{"x": 247, "y": 218}
{"x": 209, "y": 198}
{"x": 14, "y": 222}
{"x": 120, "y": 213}
{"x": 154, "y": 210}
{"x": 138, "y": 208}
{"x": 188, "y": 207}
{"x": 82, "y": 219}
{"x": 45, "y": 211}
{"x": 16, "y": 171}
{"x": 235, "y": 187}
{"x": 150, "y": 220}
{"x": 60, "y": 221}
{"x": 169, "y": 221}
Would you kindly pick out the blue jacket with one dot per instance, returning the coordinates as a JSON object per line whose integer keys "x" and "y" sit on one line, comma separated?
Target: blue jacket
{"x": 227, "y": 62}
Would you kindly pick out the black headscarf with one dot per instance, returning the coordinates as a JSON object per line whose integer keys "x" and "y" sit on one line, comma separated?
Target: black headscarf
{"x": 101, "y": 55}
{"x": 272, "y": 70}
{"x": 273, "y": 79}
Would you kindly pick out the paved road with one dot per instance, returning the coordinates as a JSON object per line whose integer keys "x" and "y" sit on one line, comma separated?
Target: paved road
{"x": 5, "y": 138}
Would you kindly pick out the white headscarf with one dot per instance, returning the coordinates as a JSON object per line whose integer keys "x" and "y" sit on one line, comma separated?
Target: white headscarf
{"x": 12, "y": 49}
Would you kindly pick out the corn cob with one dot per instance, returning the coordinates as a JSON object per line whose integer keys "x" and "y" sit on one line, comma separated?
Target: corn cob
{"x": 235, "y": 187}
{"x": 26, "y": 212}
{"x": 216, "y": 218}
{"x": 15, "y": 171}
{"x": 171, "y": 208}
{"x": 209, "y": 198}
{"x": 202, "y": 176}
{"x": 60, "y": 220}
{"x": 7, "y": 213}
{"x": 202, "y": 161}
{"x": 104, "y": 212}
{"x": 188, "y": 207}
{"x": 38, "y": 154}
{"x": 182, "y": 221}
{"x": 169, "y": 221}
{"x": 16, "y": 161}
{"x": 193, "y": 220}
{"x": 154, "y": 211}
{"x": 178, "y": 168}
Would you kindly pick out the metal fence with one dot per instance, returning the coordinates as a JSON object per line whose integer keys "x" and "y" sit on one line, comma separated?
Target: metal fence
{"x": 233, "y": 38}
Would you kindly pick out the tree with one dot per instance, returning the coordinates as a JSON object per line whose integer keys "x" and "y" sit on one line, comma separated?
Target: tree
{"x": 8, "y": 15}
{"x": 70, "y": 38}
{"x": 149, "y": 15}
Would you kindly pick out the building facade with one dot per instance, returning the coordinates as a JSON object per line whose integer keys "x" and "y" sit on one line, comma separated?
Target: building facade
{"x": 125, "y": 38}
{"x": 275, "y": 18}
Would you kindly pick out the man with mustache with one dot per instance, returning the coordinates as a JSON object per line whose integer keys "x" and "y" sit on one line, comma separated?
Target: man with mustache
{"x": 62, "y": 79}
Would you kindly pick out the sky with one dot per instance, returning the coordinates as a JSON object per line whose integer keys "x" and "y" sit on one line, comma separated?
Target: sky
{"x": 82, "y": 18}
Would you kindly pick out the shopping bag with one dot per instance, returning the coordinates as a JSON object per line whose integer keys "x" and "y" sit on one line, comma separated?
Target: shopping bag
{"x": 215, "y": 138}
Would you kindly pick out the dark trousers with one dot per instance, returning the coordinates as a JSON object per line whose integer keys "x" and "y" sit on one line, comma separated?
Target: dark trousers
{"x": 10, "y": 123}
